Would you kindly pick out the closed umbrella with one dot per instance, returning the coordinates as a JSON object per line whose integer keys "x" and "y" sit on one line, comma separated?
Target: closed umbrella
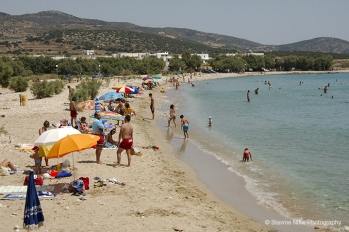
{"x": 33, "y": 215}
{"x": 50, "y": 137}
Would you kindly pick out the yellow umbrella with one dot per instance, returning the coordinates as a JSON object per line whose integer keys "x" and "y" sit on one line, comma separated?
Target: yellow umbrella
{"x": 71, "y": 143}
{"x": 118, "y": 86}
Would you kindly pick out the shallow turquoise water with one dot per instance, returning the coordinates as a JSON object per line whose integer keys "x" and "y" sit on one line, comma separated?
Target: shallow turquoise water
{"x": 297, "y": 134}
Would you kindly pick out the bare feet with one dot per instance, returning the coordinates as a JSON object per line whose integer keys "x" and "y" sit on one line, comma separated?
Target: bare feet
{"x": 99, "y": 162}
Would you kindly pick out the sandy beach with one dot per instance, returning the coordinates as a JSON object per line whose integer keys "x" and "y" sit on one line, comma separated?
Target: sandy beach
{"x": 162, "y": 193}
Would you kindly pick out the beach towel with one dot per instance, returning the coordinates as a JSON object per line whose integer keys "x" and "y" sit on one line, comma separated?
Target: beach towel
{"x": 24, "y": 146}
{"x": 41, "y": 195}
{"x": 8, "y": 189}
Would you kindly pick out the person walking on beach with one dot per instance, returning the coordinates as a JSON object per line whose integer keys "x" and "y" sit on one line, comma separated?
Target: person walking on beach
{"x": 248, "y": 95}
{"x": 126, "y": 134}
{"x": 185, "y": 126}
{"x": 172, "y": 116}
{"x": 98, "y": 129}
{"x": 73, "y": 112}
{"x": 247, "y": 155}
{"x": 152, "y": 107}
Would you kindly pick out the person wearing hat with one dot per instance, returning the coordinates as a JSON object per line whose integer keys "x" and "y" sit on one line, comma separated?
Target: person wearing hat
{"x": 37, "y": 160}
{"x": 210, "y": 121}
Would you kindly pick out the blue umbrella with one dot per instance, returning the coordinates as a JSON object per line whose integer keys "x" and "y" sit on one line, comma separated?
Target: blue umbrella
{"x": 111, "y": 96}
{"x": 135, "y": 91}
{"x": 33, "y": 216}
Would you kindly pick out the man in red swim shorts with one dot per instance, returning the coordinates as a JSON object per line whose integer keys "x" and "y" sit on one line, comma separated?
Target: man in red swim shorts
{"x": 73, "y": 112}
{"x": 126, "y": 134}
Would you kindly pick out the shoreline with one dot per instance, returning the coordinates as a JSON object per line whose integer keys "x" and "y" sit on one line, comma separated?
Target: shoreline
{"x": 225, "y": 184}
{"x": 215, "y": 183}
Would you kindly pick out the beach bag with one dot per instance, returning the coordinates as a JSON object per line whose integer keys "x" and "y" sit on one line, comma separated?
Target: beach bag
{"x": 37, "y": 180}
{"x": 86, "y": 181}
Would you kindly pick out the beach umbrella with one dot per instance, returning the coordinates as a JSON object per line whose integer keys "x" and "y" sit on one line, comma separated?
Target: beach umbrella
{"x": 146, "y": 78}
{"x": 135, "y": 89}
{"x": 148, "y": 81}
{"x": 72, "y": 143}
{"x": 111, "y": 96}
{"x": 52, "y": 136}
{"x": 118, "y": 87}
{"x": 125, "y": 90}
{"x": 86, "y": 105}
{"x": 33, "y": 215}
{"x": 157, "y": 77}
{"x": 109, "y": 115}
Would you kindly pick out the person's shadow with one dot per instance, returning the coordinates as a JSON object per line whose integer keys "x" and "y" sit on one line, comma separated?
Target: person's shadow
{"x": 169, "y": 136}
{"x": 181, "y": 149}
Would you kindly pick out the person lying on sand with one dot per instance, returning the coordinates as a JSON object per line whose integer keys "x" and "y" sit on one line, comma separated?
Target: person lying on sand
{"x": 8, "y": 163}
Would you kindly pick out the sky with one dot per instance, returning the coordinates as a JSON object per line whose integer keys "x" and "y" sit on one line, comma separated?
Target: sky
{"x": 269, "y": 22}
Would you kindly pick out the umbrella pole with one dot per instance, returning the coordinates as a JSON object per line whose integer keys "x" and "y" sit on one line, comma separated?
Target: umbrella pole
{"x": 73, "y": 167}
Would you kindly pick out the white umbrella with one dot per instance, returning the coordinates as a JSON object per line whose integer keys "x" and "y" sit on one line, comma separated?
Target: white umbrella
{"x": 50, "y": 137}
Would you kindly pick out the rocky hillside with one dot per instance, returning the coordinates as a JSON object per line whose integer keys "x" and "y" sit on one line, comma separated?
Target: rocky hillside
{"x": 14, "y": 28}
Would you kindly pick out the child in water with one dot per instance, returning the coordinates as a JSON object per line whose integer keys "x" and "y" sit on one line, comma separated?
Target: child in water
{"x": 247, "y": 156}
{"x": 210, "y": 121}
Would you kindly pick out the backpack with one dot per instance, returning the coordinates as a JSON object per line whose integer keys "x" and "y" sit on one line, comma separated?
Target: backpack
{"x": 38, "y": 180}
{"x": 86, "y": 181}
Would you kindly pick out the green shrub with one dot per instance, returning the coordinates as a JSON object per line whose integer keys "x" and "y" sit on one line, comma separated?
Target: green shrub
{"x": 87, "y": 90}
{"x": 42, "y": 89}
{"x": 57, "y": 86}
{"x": 19, "y": 84}
{"x": 345, "y": 65}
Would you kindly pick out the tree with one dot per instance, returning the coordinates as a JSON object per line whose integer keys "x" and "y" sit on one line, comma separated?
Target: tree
{"x": 177, "y": 64}
{"x": 6, "y": 73}
{"x": 269, "y": 62}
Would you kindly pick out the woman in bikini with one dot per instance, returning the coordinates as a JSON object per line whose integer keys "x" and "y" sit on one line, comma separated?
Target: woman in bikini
{"x": 172, "y": 116}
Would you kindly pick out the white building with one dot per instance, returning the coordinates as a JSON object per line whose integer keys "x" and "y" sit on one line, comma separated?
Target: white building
{"x": 88, "y": 52}
{"x": 204, "y": 57}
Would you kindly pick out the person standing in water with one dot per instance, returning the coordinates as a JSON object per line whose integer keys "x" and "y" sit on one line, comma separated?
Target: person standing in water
{"x": 152, "y": 107}
{"x": 185, "y": 126}
{"x": 248, "y": 95}
{"x": 172, "y": 116}
{"x": 210, "y": 121}
{"x": 247, "y": 156}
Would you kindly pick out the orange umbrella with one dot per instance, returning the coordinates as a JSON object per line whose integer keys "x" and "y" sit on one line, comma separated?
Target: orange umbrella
{"x": 71, "y": 143}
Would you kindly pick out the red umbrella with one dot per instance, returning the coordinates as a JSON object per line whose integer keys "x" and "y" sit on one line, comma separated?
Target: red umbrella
{"x": 125, "y": 90}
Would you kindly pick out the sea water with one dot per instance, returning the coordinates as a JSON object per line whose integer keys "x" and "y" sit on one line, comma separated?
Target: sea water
{"x": 297, "y": 134}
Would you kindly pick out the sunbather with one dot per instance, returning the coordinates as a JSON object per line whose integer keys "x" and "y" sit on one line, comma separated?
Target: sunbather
{"x": 8, "y": 163}
{"x": 110, "y": 137}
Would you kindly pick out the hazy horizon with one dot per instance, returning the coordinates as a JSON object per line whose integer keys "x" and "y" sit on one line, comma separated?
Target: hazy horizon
{"x": 272, "y": 22}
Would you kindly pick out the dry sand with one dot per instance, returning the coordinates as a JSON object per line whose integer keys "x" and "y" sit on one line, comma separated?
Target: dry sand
{"x": 161, "y": 193}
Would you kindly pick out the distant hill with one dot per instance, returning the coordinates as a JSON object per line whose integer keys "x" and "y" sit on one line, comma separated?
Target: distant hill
{"x": 69, "y": 34}
{"x": 322, "y": 44}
